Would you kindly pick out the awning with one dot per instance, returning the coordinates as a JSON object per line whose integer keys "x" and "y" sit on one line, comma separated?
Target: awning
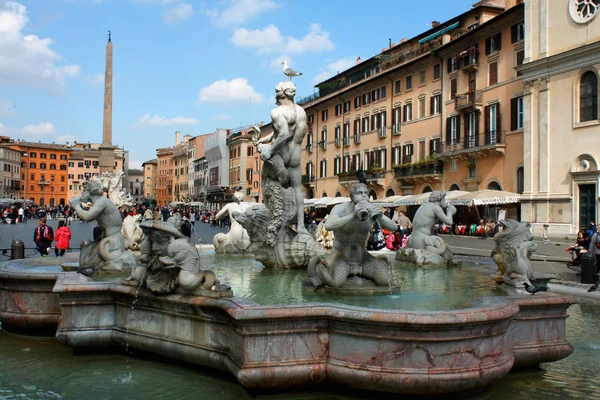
{"x": 325, "y": 202}
{"x": 439, "y": 33}
{"x": 454, "y": 197}
{"x": 491, "y": 197}
{"x": 390, "y": 201}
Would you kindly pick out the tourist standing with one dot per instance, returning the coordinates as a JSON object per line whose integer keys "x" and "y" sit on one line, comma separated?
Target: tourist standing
{"x": 403, "y": 222}
{"x": 43, "y": 236}
{"x": 62, "y": 238}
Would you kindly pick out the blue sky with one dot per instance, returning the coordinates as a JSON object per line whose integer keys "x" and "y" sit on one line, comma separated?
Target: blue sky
{"x": 188, "y": 66}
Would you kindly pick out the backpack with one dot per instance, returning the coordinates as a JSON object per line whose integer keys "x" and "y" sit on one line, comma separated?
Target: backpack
{"x": 186, "y": 228}
{"x": 43, "y": 232}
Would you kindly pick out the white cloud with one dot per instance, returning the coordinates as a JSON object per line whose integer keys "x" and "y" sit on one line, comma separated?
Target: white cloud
{"x": 221, "y": 117}
{"x": 227, "y": 92}
{"x": 66, "y": 139}
{"x": 7, "y": 109}
{"x": 270, "y": 40}
{"x": 239, "y": 11}
{"x": 95, "y": 79}
{"x": 179, "y": 12}
{"x": 43, "y": 131}
{"x": 43, "y": 128}
{"x": 156, "y": 120}
{"x": 135, "y": 164}
{"x": 334, "y": 68}
{"x": 28, "y": 59}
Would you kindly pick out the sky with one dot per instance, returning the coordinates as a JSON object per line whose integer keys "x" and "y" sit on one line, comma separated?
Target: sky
{"x": 189, "y": 66}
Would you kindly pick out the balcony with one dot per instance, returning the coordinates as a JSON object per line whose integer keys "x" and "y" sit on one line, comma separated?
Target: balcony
{"x": 375, "y": 177}
{"x": 346, "y": 141}
{"x": 308, "y": 180}
{"x": 397, "y": 129}
{"x": 309, "y": 148}
{"x": 357, "y": 138}
{"x": 492, "y": 142}
{"x": 467, "y": 102}
{"x": 382, "y": 132}
{"x": 413, "y": 173}
{"x": 468, "y": 60}
{"x": 338, "y": 142}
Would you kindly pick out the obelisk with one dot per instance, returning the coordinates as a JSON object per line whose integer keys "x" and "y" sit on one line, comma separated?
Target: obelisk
{"x": 107, "y": 155}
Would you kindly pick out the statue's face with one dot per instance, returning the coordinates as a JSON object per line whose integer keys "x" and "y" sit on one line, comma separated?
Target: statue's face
{"x": 160, "y": 242}
{"x": 360, "y": 194}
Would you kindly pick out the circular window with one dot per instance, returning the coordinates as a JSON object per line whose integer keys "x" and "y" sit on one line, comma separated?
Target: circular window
{"x": 583, "y": 11}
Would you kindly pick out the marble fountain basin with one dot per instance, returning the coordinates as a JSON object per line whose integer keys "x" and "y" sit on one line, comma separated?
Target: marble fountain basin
{"x": 276, "y": 347}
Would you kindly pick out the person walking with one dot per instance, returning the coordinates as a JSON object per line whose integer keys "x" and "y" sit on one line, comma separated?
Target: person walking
{"x": 62, "y": 238}
{"x": 43, "y": 236}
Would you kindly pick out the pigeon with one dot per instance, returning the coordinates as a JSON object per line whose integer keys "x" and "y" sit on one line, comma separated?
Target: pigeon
{"x": 288, "y": 71}
{"x": 237, "y": 188}
{"x": 534, "y": 289}
{"x": 361, "y": 176}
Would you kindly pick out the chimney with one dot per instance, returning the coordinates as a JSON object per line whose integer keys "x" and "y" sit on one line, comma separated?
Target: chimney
{"x": 177, "y": 138}
{"x": 435, "y": 24}
{"x": 384, "y": 49}
{"x": 403, "y": 40}
{"x": 358, "y": 60}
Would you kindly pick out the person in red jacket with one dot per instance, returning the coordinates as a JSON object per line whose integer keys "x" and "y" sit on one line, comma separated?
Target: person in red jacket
{"x": 62, "y": 238}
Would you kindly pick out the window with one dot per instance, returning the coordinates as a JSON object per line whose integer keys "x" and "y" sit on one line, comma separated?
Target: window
{"x": 33, "y": 154}
{"x": 408, "y": 152}
{"x": 80, "y": 164}
{"x": 471, "y": 131}
{"x": 324, "y": 138}
{"x": 518, "y": 32}
{"x": 434, "y": 146}
{"x": 453, "y": 130}
{"x": 323, "y": 169}
{"x": 453, "y": 88}
{"x": 42, "y": 155}
{"x": 324, "y": 115}
{"x": 338, "y": 110}
{"x": 383, "y": 92}
{"x": 71, "y": 176}
{"x": 437, "y": 72}
{"x": 80, "y": 176}
{"x": 520, "y": 180}
{"x": 356, "y": 128}
{"x": 347, "y": 106}
{"x": 493, "y": 73}
{"x": 43, "y": 165}
{"x": 516, "y": 113}
{"x": 337, "y": 162}
{"x": 409, "y": 82}
{"x": 311, "y": 120}
{"x": 375, "y": 94}
{"x": 347, "y": 132}
{"x": 492, "y": 123}
{"x": 63, "y": 167}
{"x": 71, "y": 164}
{"x": 357, "y": 102}
{"x": 422, "y": 107}
{"x": 520, "y": 57}
{"x": 452, "y": 64}
{"x": 434, "y": 106}
{"x": 32, "y": 165}
{"x": 493, "y": 44}
{"x": 397, "y": 86}
{"x": 338, "y": 140}
{"x": 53, "y": 156}
{"x": 366, "y": 98}
{"x": 95, "y": 164}
{"x": 63, "y": 157}
{"x": 62, "y": 178}
{"x": 365, "y": 124}
{"x": 422, "y": 76}
{"x": 396, "y": 155}
{"x": 356, "y": 162}
{"x": 588, "y": 97}
{"x": 397, "y": 120}
{"x": 408, "y": 112}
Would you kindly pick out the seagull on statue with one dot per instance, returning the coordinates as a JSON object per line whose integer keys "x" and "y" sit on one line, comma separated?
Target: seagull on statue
{"x": 288, "y": 71}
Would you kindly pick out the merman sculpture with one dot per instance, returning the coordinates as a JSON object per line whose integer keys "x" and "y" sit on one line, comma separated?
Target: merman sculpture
{"x": 350, "y": 264}
{"x": 236, "y": 241}
{"x": 514, "y": 246}
{"x": 107, "y": 250}
{"x": 424, "y": 248}
{"x": 171, "y": 263}
{"x": 274, "y": 242}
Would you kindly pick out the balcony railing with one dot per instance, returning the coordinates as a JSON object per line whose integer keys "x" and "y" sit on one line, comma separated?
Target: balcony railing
{"x": 347, "y": 141}
{"x": 307, "y": 179}
{"x": 350, "y": 176}
{"x": 419, "y": 170}
{"x": 468, "y": 59}
{"x": 338, "y": 142}
{"x": 469, "y": 142}
{"x": 309, "y": 148}
{"x": 382, "y": 132}
{"x": 397, "y": 129}
{"x": 467, "y": 101}
{"x": 357, "y": 138}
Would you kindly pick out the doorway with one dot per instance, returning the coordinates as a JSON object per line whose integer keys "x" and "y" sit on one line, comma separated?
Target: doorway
{"x": 587, "y": 205}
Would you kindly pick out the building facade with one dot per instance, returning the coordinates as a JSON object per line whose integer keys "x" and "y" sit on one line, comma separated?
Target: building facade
{"x": 217, "y": 160}
{"x": 198, "y": 177}
{"x": 561, "y": 118}
{"x": 164, "y": 158}
{"x": 241, "y": 160}
{"x": 427, "y": 113}
{"x": 44, "y": 172}
{"x": 136, "y": 185}
{"x": 150, "y": 169}
{"x": 10, "y": 173}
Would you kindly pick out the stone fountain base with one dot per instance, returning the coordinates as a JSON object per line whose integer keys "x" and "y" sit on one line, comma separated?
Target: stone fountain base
{"x": 277, "y": 347}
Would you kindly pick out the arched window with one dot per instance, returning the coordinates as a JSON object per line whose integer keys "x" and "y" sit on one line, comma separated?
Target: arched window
{"x": 454, "y": 187}
{"x": 588, "y": 97}
{"x": 324, "y": 195}
{"x": 338, "y": 194}
{"x": 390, "y": 192}
{"x": 520, "y": 180}
{"x": 427, "y": 189}
{"x": 494, "y": 186}
{"x": 373, "y": 194}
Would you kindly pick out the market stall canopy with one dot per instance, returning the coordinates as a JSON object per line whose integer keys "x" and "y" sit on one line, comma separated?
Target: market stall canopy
{"x": 325, "y": 202}
{"x": 176, "y": 203}
{"x": 195, "y": 204}
{"x": 454, "y": 197}
{"x": 489, "y": 197}
{"x": 390, "y": 201}
{"x": 309, "y": 202}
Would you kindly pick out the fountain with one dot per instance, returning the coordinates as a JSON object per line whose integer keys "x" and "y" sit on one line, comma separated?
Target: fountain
{"x": 291, "y": 338}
